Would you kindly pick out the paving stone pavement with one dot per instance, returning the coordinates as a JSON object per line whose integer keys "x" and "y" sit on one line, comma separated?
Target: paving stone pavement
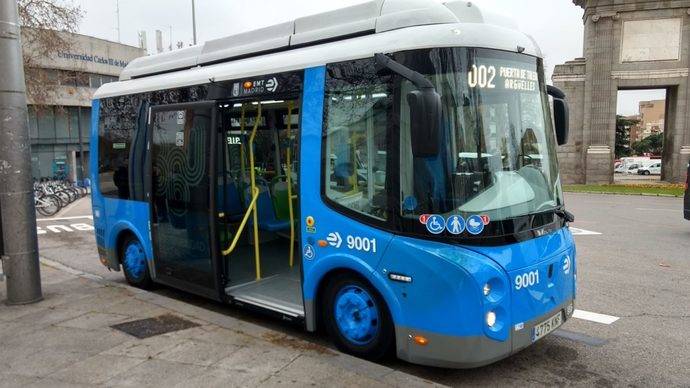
{"x": 67, "y": 340}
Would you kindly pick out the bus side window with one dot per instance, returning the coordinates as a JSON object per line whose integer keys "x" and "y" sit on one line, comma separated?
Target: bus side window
{"x": 357, "y": 105}
{"x": 116, "y": 126}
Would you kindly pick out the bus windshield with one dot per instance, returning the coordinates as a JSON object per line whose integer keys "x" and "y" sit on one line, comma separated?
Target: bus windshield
{"x": 497, "y": 154}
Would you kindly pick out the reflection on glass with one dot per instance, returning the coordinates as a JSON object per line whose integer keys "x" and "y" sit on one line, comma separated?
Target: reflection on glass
{"x": 497, "y": 154}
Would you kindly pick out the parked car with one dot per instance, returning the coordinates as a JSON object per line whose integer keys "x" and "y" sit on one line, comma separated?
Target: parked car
{"x": 620, "y": 168}
{"x": 687, "y": 194}
{"x": 632, "y": 168}
{"x": 650, "y": 169}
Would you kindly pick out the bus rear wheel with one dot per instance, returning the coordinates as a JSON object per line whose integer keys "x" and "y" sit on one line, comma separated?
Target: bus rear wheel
{"x": 134, "y": 264}
{"x": 357, "y": 318}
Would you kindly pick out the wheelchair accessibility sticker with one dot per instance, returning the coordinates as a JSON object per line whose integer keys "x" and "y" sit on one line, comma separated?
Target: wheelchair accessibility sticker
{"x": 309, "y": 252}
{"x": 435, "y": 224}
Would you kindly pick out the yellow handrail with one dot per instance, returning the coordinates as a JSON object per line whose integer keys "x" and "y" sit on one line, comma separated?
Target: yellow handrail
{"x": 257, "y": 258}
{"x": 242, "y": 166}
{"x": 289, "y": 185}
{"x": 231, "y": 248}
{"x": 251, "y": 207}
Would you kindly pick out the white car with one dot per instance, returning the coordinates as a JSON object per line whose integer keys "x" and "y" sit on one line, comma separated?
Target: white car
{"x": 651, "y": 169}
{"x": 632, "y": 168}
{"x": 620, "y": 169}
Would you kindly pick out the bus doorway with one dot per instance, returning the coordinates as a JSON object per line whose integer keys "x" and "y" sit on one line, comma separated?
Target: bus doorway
{"x": 258, "y": 205}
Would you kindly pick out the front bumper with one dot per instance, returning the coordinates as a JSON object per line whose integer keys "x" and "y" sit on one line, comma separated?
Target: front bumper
{"x": 467, "y": 352}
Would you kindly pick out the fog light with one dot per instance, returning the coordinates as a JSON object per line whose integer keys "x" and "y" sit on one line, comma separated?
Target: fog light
{"x": 487, "y": 289}
{"x": 490, "y": 319}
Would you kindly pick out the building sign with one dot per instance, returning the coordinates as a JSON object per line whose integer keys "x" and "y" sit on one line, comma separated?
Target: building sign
{"x": 93, "y": 58}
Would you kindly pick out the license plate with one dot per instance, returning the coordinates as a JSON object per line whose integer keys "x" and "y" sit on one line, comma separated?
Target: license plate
{"x": 547, "y": 326}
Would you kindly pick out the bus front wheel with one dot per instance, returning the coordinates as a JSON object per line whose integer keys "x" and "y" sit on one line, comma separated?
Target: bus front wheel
{"x": 134, "y": 264}
{"x": 357, "y": 318}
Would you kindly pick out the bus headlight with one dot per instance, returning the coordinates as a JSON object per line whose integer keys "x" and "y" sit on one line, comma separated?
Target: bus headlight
{"x": 487, "y": 289}
{"x": 490, "y": 319}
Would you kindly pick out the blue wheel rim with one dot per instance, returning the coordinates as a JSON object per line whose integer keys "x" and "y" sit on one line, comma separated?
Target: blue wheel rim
{"x": 356, "y": 315}
{"x": 135, "y": 260}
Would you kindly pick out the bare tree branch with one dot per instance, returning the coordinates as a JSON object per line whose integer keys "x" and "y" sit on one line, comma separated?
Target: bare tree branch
{"x": 44, "y": 27}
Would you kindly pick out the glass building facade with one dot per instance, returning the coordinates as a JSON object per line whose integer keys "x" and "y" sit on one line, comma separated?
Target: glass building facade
{"x": 60, "y": 134}
{"x": 59, "y": 102}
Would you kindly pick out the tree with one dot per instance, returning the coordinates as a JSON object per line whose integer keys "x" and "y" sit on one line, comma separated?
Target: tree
{"x": 623, "y": 125}
{"x": 44, "y": 26}
{"x": 653, "y": 144}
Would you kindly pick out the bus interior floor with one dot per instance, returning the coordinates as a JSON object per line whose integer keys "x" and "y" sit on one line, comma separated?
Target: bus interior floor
{"x": 279, "y": 287}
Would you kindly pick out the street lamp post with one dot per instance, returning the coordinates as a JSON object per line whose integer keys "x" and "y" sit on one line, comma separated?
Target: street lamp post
{"x": 17, "y": 215}
{"x": 194, "y": 21}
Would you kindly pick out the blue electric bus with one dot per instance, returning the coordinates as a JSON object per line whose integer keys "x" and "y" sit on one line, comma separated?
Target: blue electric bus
{"x": 386, "y": 172}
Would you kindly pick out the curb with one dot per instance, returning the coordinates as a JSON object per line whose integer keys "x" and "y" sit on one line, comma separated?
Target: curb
{"x": 366, "y": 368}
{"x": 631, "y": 194}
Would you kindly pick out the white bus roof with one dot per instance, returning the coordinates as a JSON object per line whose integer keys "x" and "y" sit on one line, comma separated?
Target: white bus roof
{"x": 349, "y": 33}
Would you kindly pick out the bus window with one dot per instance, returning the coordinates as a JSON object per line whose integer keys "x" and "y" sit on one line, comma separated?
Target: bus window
{"x": 357, "y": 104}
{"x": 121, "y": 143}
{"x": 115, "y": 133}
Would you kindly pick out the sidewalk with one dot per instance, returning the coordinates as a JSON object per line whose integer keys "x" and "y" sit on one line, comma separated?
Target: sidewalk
{"x": 67, "y": 340}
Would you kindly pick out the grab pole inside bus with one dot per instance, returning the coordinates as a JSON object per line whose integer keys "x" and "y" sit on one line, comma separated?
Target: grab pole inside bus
{"x": 288, "y": 162}
{"x": 251, "y": 208}
{"x": 255, "y": 191}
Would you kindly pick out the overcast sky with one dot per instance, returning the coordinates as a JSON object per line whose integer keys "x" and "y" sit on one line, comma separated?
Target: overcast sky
{"x": 555, "y": 24}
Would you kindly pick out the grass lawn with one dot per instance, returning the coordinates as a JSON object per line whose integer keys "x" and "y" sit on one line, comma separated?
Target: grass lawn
{"x": 657, "y": 189}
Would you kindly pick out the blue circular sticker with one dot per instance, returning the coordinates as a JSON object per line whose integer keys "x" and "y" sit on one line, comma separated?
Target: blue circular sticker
{"x": 455, "y": 224}
{"x": 435, "y": 224}
{"x": 475, "y": 225}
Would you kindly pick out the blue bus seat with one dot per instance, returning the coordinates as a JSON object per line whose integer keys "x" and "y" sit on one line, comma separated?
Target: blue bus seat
{"x": 264, "y": 206}
{"x": 230, "y": 204}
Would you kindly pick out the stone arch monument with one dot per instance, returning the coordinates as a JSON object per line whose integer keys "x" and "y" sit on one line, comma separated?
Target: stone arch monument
{"x": 628, "y": 44}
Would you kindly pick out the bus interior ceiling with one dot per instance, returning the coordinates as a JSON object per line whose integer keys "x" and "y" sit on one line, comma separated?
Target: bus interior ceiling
{"x": 273, "y": 279}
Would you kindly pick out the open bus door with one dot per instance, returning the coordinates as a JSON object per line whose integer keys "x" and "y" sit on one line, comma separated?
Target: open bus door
{"x": 181, "y": 169}
{"x": 258, "y": 203}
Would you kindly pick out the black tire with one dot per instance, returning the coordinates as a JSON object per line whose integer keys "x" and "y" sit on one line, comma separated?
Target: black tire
{"x": 74, "y": 195}
{"x": 136, "y": 272}
{"x": 51, "y": 209}
{"x": 65, "y": 198}
{"x": 646, "y": 172}
{"x": 372, "y": 346}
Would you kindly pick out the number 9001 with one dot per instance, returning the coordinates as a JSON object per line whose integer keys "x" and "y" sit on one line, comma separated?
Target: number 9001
{"x": 527, "y": 279}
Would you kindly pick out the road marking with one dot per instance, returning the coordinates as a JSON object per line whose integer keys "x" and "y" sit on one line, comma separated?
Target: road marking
{"x": 79, "y": 227}
{"x": 645, "y": 209}
{"x": 594, "y": 317}
{"x": 64, "y": 218}
{"x": 583, "y": 232}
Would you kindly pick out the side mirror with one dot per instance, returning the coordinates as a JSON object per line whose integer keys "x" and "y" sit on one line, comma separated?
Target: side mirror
{"x": 561, "y": 114}
{"x": 425, "y": 119}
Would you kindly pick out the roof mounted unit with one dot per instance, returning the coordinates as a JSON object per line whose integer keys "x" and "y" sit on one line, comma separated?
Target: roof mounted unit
{"x": 248, "y": 43}
{"x": 374, "y": 16}
{"x": 355, "y": 20}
